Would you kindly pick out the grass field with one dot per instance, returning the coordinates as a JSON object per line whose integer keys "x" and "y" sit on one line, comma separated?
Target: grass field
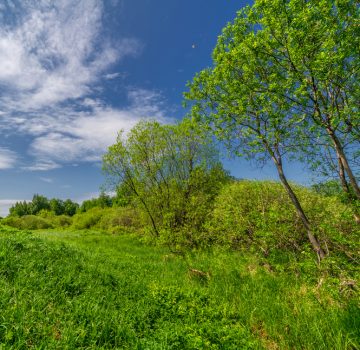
{"x": 89, "y": 290}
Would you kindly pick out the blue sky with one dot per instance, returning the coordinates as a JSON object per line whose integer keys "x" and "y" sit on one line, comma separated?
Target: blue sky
{"x": 74, "y": 72}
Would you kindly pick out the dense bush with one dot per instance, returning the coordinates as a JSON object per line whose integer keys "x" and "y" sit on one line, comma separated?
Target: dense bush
{"x": 255, "y": 215}
{"x": 56, "y": 220}
{"x": 113, "y": 220}
{"x": 43, "y": 220}
{"x": 260, "y": 215}
{"x": 119, "y": 219}
{"x": 62, "y": 221}
{"x": 88, "y": 219}
{"x": 108, "y": 219}
{"x": 28, "y": 222}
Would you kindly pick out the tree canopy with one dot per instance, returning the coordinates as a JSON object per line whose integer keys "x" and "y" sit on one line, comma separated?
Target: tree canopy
{"x": 170, "y": 170}
{"x": 285, "y": 82}
{"x": 41, "y": 203}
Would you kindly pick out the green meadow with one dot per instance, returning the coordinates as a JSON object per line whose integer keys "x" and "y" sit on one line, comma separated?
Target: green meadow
{"x": 91, "y": 290}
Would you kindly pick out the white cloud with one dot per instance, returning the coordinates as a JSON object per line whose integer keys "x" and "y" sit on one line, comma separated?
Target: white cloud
{"x": 53, "y": 58}
{"x": 86, "y": 137}
{"x": 46, "y": 179}
{"x": 42, "y": 165}
{"x": 56, "y": 52}
{"x": 111, "y": 76}
{"x": 7, "y": 158}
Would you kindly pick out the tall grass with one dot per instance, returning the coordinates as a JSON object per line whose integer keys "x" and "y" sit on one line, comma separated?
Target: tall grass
{"x": 85, "y": 290}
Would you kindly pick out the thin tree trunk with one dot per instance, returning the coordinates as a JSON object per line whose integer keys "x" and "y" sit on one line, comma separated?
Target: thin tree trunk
{"x": 344, "y": 162}
{"x": 133, "y": 187}
{"x": 337, "y": 144}
{"x": 299, "y": 210}
{"x": 276, "y": 157}
{"x": 344, "y": 183}
{"x": 157, "y": 234}
{"x": 345, "y": 187}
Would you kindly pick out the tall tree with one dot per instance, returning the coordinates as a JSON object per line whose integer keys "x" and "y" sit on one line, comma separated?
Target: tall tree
{"x": 315, "y": 46}
{"x": 285, "y": 78}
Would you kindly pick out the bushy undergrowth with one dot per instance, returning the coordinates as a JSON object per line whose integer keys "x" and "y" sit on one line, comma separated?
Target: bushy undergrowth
{"x": 255, "y": 215}
{"x": 260, "y": 215}
{"x": 74, "y": 290}
{"x": 28, "y": 222}
{"x": 112, "y": 220}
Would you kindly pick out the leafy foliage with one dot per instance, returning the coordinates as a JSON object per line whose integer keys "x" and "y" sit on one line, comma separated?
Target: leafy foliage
{"x": 103, "y": 201}
{"x": 40, "y": 203}
{"x": 28, "y": 222}
{"x": 111, "y": 220}
{"x": 284, "y": 79}
{"x": 254, "y": 214}
{"x": 171, "y": 171}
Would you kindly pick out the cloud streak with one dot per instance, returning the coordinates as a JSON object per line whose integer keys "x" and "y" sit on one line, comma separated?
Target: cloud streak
{"x": 54, "y": 56}
{"x": 56, "y": 52}
{"x": 85, "y": 135}
{"x": 8, "y": 159}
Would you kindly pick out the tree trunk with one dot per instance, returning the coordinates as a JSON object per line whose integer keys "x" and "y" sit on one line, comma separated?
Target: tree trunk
{"x": 345, "y": 187}
{"x": 344, "y": 162}
{"x": 133, "y": 188}
{"x": 299, "y": 210}
{"x": 344, "y": 183}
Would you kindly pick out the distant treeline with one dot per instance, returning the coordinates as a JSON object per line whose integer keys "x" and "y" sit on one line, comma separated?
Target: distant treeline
{"x": 58, "y": 206}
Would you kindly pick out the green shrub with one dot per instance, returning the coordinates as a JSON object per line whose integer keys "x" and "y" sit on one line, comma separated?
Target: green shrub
{"x": 113, "y": 220}
{"x": 116, "y": 220}
{"x": 28, "y": 222}
{"x": 260, "y": 214}
{"x": 88, "y": 219}
{"x": 58, "y": 221}
{"x": 62, "y": 221}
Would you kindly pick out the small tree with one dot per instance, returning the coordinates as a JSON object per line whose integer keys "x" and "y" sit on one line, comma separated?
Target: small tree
{"x": 20, "y": 209}
{"x": 165, "y": 167}
{"x": 39, "y": 203}
{"x": 57, "y": 206}
{"x": 70, "y": 207}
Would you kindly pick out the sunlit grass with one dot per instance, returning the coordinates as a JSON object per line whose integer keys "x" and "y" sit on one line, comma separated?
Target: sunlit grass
{"x": 85, "y": 290}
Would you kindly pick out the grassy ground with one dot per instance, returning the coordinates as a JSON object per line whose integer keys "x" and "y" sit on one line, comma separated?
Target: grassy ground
{"x": 86, "y": 290}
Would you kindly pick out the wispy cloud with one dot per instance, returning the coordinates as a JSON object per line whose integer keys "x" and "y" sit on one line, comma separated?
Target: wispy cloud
{"x": 54, "y": 56}
{"x": 112, "y": 76}
{"x": 47, "y": 179}
{"x": 7, "y": 158}
{"x": 85, "y": 135}
{"x": 55, "y": 52}
{"x": 42, "y": 165}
